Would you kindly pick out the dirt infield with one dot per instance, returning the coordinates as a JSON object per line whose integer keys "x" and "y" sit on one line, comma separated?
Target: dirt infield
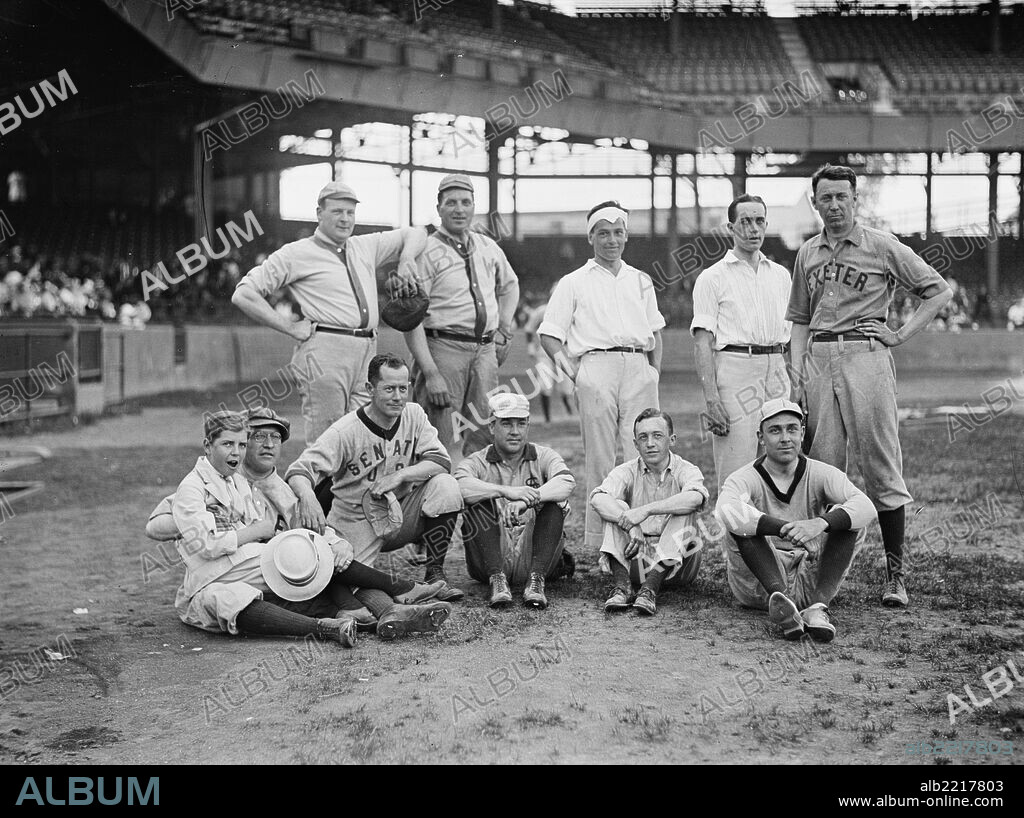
{"x": 96, "y": 667}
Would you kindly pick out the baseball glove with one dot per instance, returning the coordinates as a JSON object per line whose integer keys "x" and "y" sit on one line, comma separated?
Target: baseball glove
{"x": 405, "y": 306}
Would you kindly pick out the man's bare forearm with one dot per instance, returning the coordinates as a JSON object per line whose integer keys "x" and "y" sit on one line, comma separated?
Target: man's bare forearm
{"x": 924, "y": 315}
{"x": 704, "y": 358}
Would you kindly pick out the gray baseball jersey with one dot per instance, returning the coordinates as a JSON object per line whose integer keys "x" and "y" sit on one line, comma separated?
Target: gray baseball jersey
{"x": 834, "y": 287}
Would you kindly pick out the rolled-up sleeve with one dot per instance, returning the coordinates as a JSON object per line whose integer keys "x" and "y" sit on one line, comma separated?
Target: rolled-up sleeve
{"x": 655, "y": 320}
{"x": 198, "y": 526}
{"x": 618, "y": 484}
{"x": 470, "y": 474}
{"x": 559, "y": 482}
{"x": 272, "y": 275}
{"x": 911, "y": 271}
{"x": 705, "y": 304}
{"x": 692, "y": 479}
{"x": 558, "y": 313}
{"x": 799, "y": 309}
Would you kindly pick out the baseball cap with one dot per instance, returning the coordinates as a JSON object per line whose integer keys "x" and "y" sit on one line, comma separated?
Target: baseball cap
{"x": 268, "y": 417}
{"x": 456, "y": 180}
{"x": 776, "y": 406}
{"x": 336, "y": 190}
{"x": 509, "y": 405}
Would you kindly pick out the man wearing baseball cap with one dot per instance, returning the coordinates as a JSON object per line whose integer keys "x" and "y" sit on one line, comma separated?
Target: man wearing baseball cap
{"x": 516, "y": 495}
{"x": 332, "y": 277}
{"x": 467, "y": 333}
{"x": 793, "y": 526}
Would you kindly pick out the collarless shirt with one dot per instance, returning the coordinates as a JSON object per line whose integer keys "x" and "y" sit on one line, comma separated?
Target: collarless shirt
{"x": 835, "y": 286}
{"x": 463, "y": 281}
{"x": 740, "y": 306}
{"x": 332, "y": 284}
{"x": 636, "y": 485}
{"x": 593, "y": 308}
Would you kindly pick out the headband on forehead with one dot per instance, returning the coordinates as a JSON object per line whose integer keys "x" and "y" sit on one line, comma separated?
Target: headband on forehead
{"x": 611, "y": 214}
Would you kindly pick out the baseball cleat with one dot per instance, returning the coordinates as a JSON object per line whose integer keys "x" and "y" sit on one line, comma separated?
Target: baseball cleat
{"x": 784, "y": 613}
{"x": 818, "y": 622}
{"x": 421, "y": 592}
{"x": 533, "y": 594}
{"x": 501, "y": 594}
{"x": 895, "y": 594}
{"x": 447, "y": 594}
{"x": 342, "y": 630}
{"x": 618, "y": 601}
{"x": 405, "y": 619}
{"x": 365, "y": 621}
{"x": 644, "y": 602}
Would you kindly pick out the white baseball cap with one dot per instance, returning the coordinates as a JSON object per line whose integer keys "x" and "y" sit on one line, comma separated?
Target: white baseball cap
{"x": 509, "y": 405}
{"x": 776, "y": 406}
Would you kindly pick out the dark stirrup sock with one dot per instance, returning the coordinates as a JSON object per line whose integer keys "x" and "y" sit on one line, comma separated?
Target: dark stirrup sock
{"x": 655, "y": 577}
{"x": 365, "y": 576}
{"x": 437, "y": 536}
{"x": 342, "y": 596}
{"x": 836, "y": 556}
{"x": 378, "y": 602}
{"x": 620, "y": 574}
{"x": 266, "y": 619}
{"x": 759, "y": 558}
{"x": 893, "y": 524}
{"x": 547, "y": 533}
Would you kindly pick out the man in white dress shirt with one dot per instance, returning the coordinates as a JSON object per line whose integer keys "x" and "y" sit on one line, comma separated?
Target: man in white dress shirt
{"x": 740, "y": 337}
{"x": 602, "y": 328}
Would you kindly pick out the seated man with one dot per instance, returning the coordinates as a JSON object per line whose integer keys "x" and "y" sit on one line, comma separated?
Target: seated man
{"x": 776, "y": 509}
{"x": 216, "y": 606}
{"x": 649, "y": 507}
{"x": 390, "y": 478}
{"x": 515, "y": 494}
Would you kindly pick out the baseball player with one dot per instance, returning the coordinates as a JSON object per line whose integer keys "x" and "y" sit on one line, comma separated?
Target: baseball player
{"x": 606, "y": 317}
{"x": 214, "y": 605}
{"x": 740, "y": 336}
{"x": 390, "y": 479}
{"x": 649, "y": 507}
{"x": 793, "y": 524}
{"x": 843, "y": 283}
{"x": 516, "y": 496}
{"x": 332, "y": 278}
{"x": 467, "y": 333}
{"x": 550, "y": 382}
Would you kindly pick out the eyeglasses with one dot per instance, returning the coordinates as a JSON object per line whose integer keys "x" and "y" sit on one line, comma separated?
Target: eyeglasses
{"x": 266, "y": 437}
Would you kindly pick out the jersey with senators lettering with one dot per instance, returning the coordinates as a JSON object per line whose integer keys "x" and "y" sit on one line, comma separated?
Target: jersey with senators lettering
{"x": 833, "y": 287}
{"x": 355, "y": 452}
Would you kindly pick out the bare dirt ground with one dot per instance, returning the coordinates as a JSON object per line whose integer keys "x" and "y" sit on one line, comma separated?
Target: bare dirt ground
{"x": 703, "y": 681}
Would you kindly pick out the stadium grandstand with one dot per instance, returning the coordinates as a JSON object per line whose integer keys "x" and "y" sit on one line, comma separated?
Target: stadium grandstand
{"x": 187, "y": 114}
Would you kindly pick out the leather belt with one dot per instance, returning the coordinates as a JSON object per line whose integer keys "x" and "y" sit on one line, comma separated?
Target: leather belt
{"x": 755, "y": 349}
{"x": 840, "y": 336}
{"x": 358, "y": 333}
{"x": 641, "y": 350}
{"x": 486, "y": 338}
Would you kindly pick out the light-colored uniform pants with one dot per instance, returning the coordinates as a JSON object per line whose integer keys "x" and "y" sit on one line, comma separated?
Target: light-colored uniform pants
{"x": 330, "y": 371}
{"x": 612, "y": 388}
{"x": 745, "y": 382}
{"x": 470, "y": 371}
{"x": 851, "y": 402}
{"x": 678, "y": 547}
